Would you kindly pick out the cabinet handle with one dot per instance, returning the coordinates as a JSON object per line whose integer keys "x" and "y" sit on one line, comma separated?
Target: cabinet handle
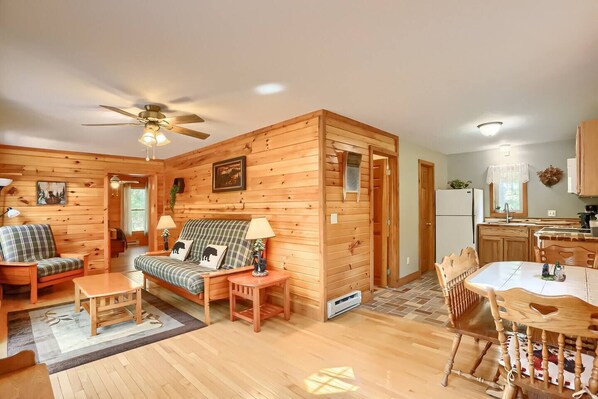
{"x": 428, "y": 224}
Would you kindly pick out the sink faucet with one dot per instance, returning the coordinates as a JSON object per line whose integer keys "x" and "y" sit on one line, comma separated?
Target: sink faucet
{"x": 507, "y": 210}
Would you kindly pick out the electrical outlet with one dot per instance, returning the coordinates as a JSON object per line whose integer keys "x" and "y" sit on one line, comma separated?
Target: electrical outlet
{"x": 408, "y": 260}
{"x": 333, "y": 218}
{"x": 551, "y": 212}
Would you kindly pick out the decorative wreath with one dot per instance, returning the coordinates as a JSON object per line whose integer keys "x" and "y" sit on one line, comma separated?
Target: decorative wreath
{"x": 550, "y": 176}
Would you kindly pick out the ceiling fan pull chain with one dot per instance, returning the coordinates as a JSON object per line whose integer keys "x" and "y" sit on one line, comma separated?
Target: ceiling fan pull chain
{"x": 154, "y": 152}
{"x": 147, "y": 154}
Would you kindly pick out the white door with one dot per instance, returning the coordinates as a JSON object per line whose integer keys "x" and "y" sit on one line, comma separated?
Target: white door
{"x": 453, "y": 233}
{"x": 454, "y": 202}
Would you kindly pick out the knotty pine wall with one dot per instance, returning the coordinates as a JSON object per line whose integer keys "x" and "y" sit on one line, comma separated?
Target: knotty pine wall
{"x": 79, "y": 225}
{"x": 346, "y": 272}
{"x": 282, "y": 184}
{"x": 286, "y": 183}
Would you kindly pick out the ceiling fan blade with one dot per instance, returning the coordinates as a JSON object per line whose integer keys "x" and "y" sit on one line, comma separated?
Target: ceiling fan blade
{"x": 111, "y": 124}
{"x": 187, "y": 132}
{"x": 177, "y": 120}
{"x": 120, "y": 111}
{"x": 129, "y": 182}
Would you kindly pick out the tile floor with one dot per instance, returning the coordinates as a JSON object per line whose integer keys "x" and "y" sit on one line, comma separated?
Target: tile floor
{"x": 420, "y": 300}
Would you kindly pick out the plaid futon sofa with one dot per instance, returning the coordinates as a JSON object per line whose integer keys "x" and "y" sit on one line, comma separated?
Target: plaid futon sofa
{"x": 188, "y": 274}
{"x": 29, "y": 257}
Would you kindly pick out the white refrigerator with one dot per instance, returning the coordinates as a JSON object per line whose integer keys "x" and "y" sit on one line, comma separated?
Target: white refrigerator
{"x": 458, "y": 213}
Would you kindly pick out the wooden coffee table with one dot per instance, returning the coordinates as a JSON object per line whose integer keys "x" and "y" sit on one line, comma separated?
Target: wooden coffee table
{"x": 109, "y": 295}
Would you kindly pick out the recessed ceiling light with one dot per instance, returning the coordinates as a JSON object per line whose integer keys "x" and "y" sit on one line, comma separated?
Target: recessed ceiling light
{"x": 269, "y": 88}
{"x": 489, "y": 128}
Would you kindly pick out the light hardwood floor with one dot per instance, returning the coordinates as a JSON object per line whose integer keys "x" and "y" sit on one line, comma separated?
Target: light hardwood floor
{"x": 360, "y": 354}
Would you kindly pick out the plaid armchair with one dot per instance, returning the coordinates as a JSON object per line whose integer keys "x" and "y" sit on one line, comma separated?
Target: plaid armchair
{"x": 29, "y": 257}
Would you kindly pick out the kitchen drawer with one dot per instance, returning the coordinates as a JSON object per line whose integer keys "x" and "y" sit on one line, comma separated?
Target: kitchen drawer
{"x": 504, "y": 231}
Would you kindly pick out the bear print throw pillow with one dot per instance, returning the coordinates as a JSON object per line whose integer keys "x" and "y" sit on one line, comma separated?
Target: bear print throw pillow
{"x": 213, "y": 256}
{"x": 180, "y": 249}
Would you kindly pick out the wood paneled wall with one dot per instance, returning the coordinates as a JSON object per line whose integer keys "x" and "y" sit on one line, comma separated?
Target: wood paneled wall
{"x": 282, "y": 184}
{"x": 348, "y": 246}
{"x": 78, "y": 226}
{"x": 293, "y": 178}
{"x": 115, "y": 206}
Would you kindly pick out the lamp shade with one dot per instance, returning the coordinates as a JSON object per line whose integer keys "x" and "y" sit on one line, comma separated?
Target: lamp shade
{"x": 166, "y": 222}
{"x": 5, "y": 182}
{"x": 259, "y": 228}
{"x": 11, "y": 212}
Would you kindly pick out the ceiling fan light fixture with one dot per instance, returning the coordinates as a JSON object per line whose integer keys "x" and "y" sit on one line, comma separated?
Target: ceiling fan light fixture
{"x": 148, "y": 138}
{"x": 489, "y": 129}
{"x": 161, "y": 139}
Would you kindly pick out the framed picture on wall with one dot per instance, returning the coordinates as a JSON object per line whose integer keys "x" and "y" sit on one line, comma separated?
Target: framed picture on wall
{"x": 229, "y": 175}
{"x": 51, "y": 193}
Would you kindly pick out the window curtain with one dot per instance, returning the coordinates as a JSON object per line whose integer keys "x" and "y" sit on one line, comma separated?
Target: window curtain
{"x": 125, "y": 215}
{"x": 507, "y": 181}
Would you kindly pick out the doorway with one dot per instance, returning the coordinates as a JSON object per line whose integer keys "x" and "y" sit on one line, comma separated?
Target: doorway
{"x": 384, "y": 219}
{"x": 427, "y": 216}
{"x": 380, "y": 221}
{"x": 128, "y": 204}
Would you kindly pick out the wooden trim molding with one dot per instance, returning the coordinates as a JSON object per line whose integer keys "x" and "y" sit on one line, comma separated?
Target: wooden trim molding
{"x": 409, "y": 278}
{"x": 522, "y": 214}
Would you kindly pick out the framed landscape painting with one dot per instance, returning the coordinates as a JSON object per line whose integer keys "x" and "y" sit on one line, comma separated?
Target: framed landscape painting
{"x": 51, "y": 193}
{"x": 229, "y": 175}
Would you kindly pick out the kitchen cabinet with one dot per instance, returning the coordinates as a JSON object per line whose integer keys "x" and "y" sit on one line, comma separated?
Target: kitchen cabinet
{"x": 503, "y": 243}
{"x": 533, "y": 241}
{"x": 587, "y": 158}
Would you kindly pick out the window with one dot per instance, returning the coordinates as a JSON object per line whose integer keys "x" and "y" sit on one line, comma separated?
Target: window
{"x": 137, "y": 209}
{"x": 508, "y": 185}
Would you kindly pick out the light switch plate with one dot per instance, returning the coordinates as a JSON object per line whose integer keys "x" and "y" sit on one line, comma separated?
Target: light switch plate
{"x": 552, "y": 212}
{"x": 333, "y": 218}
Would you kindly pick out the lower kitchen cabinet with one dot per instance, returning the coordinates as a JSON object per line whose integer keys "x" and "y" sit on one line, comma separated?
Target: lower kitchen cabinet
{"x": 503, "y": 243}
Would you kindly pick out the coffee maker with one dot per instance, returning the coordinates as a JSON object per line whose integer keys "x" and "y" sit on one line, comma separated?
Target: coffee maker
{"x": 589, "y": 214}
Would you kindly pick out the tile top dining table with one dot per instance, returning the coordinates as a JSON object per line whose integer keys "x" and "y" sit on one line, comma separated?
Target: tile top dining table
{"x": 581, "y": 282}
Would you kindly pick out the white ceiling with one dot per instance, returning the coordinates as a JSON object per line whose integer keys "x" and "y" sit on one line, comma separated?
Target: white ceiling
{"x": 428, "y": 71}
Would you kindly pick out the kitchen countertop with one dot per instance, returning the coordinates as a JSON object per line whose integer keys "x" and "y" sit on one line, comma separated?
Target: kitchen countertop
{"x": 554, "y": 234}
{"x": 531, "y": 222}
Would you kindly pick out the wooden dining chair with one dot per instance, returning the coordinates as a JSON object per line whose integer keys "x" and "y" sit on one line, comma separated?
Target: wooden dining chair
{"x": 549, "y": 353}
{"x": 572, "y": 256}
{"x": 469, "y": 314}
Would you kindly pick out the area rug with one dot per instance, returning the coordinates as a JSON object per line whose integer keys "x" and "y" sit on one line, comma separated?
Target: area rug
{"x": 61, "y": 338}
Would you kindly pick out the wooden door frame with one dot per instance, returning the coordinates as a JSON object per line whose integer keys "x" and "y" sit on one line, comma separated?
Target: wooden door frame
{"x": 393, "y": 214}
{"x": 421, "y": 228}
{"x": 385, "y": 227}
{"x": 152, "y": 182}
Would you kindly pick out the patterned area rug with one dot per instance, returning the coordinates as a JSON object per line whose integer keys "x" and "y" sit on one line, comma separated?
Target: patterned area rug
{"x": 420, "y": 300}
{"x": 61, "y": 338}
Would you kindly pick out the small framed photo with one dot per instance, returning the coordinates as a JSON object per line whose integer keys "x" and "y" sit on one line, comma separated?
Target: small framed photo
{"x": 51, "y": 193}
{"x": 229, "y": 175}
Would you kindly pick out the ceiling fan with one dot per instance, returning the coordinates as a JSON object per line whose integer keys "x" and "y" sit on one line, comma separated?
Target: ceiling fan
{"x": 152, "y": 120}
{"x": 115, "y": 182}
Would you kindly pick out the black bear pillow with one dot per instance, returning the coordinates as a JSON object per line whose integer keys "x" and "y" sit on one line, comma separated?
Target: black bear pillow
{"x": 213, "y": 256}
{"x": 180, "y": 249}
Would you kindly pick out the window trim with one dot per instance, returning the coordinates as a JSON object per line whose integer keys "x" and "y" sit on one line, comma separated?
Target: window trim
{"x": 522, "y": 214}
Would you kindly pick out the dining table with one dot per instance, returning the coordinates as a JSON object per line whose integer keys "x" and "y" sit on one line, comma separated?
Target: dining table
{"x": 580, "y": 281}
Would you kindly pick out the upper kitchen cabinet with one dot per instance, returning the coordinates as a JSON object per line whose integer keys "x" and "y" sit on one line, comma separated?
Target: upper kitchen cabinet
{"x": 587, "y": 159}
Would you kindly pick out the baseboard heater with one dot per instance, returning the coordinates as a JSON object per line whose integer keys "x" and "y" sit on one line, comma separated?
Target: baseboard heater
{"x": 133, "y": 242}
{"x": 343, "y": 303}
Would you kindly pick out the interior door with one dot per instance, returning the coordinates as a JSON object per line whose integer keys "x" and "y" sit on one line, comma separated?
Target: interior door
{"x": 380, "y": 222}
{"x": 427, "y": 215}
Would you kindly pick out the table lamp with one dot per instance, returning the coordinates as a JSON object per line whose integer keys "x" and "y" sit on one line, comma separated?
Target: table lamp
{"x": 11, "y": 213}
{"x": 166, "y": 223}
{"x": 259, "y": 230}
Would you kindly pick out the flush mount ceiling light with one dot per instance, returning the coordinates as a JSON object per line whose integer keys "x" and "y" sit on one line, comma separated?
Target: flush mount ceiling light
{"x": 489, "y": 128}
{"x": 269, "y": 88}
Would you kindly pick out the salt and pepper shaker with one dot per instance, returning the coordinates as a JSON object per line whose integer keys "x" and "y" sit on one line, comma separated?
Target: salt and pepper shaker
{"x": 559, "y": 271}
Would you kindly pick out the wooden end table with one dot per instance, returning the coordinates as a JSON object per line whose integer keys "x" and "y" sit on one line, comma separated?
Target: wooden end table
{"x": 109, "y": 296}
{"x": 249, "y": 287}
